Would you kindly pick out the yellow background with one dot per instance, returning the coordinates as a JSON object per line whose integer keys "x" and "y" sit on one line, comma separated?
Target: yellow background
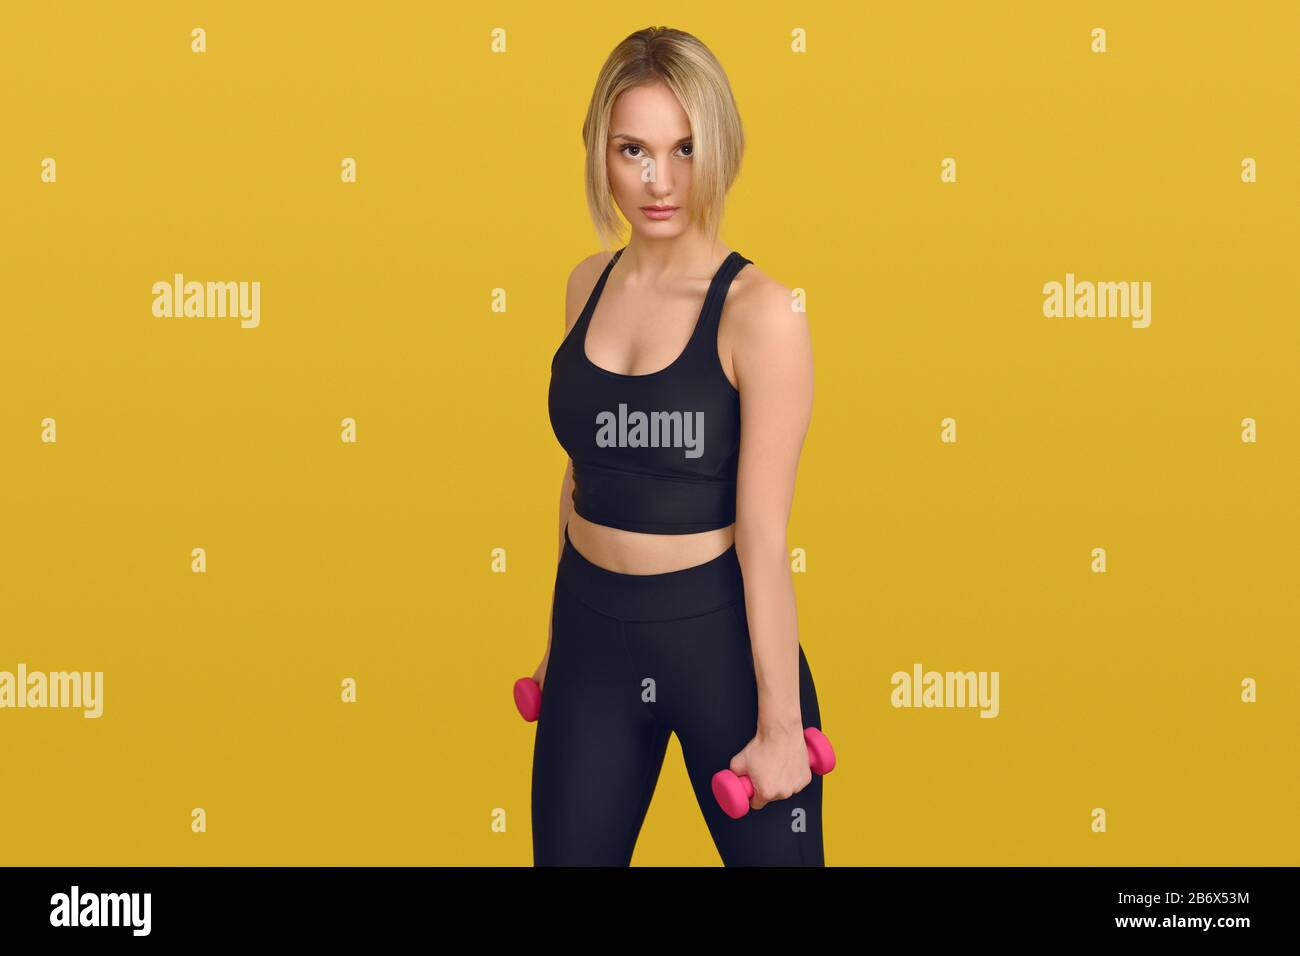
{"x": 328, "y": 560}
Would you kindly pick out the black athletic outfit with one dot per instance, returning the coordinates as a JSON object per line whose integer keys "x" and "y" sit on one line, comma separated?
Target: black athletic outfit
{"x": 636, "y": 657}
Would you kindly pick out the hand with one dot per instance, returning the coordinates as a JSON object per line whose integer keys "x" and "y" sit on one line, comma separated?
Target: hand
{"x": 776, "y": 764}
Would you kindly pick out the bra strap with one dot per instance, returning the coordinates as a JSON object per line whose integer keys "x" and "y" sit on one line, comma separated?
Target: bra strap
{"x": 590, "y": 307}
{"x": 717, "y": 295}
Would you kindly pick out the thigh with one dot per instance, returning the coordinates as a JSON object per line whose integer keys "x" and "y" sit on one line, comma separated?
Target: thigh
{"x": 711, "y": 702}
{"x": 598, "y": 751}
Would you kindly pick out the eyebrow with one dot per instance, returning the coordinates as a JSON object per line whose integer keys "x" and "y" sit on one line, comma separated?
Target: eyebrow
{"x": 641, "y": 139}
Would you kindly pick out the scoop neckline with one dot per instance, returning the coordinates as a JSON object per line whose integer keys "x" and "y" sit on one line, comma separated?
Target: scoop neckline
{"x": 695, "y": 331}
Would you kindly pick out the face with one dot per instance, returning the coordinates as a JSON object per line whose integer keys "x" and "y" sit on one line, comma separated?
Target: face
{"x": 648, "y": 159}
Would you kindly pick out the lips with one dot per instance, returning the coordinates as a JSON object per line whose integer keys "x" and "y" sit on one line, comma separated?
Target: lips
{"x": 659, "y": 213}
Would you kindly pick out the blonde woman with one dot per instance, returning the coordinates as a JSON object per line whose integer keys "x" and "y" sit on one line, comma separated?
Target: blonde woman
{"x": 681, "y": 391}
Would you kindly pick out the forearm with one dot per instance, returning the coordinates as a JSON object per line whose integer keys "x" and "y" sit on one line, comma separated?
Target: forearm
{"x": 773, "y": 634}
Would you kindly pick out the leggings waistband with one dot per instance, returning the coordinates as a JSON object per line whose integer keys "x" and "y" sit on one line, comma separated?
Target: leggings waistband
{"x": 687, "y": 592}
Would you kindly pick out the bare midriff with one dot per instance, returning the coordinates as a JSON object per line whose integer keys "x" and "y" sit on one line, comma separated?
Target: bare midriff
{"x": 633, "y": 552}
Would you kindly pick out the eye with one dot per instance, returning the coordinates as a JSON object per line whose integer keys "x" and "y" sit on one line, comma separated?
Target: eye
{"x": 626, "y": 146}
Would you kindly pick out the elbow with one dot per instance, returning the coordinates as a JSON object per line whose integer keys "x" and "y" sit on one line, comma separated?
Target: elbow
{"x": 761, "y": 547}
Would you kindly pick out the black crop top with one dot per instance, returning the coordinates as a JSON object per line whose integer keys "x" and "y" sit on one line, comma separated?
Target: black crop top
{"x": 655, "y": 453}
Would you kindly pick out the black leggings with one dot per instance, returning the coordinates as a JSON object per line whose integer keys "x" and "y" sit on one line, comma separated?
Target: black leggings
{"x": 634, "y": 658}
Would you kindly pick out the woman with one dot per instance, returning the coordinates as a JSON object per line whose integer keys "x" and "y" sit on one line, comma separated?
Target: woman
{"x": 673, "y": 607}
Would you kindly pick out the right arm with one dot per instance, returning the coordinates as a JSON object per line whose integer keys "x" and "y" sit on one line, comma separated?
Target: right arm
{"x": 581, "y": 281}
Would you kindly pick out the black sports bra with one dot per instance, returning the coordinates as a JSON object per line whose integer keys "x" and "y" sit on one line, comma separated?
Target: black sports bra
{"x": 658, "y": 452}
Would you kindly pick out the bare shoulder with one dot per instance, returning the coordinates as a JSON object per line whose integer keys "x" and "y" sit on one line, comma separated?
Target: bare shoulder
{"x": 582, "y": 279}
{"x": 761, "y": 321}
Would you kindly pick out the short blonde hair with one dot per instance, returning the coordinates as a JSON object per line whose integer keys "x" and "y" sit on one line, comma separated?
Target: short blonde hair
{"x": 688, "y": 68}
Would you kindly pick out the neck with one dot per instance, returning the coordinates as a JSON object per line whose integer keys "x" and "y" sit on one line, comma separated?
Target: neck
{"x": 655, "y": 260}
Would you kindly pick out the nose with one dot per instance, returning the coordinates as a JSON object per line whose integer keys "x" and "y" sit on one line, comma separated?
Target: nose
{"x": 660, "y": 183}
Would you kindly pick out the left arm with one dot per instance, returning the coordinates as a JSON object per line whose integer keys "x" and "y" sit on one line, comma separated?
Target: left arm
{"x": 772, "y": 358}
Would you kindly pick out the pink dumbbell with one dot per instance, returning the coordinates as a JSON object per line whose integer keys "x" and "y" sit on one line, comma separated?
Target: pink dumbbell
{"x": 528, "y": 698}
{"x": 734, "y": 792}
